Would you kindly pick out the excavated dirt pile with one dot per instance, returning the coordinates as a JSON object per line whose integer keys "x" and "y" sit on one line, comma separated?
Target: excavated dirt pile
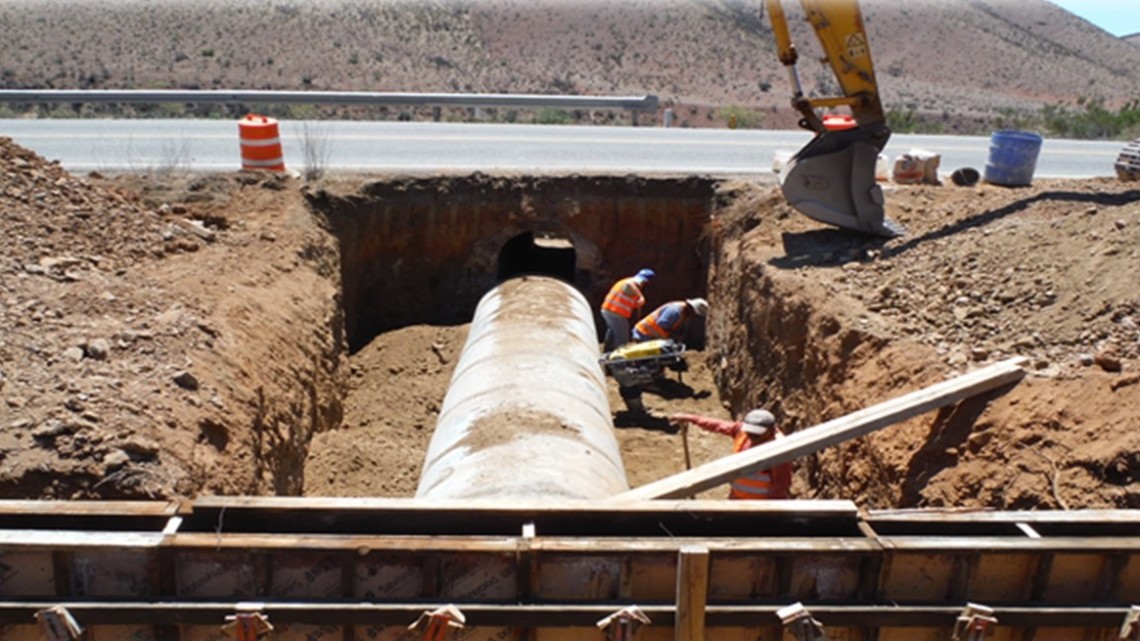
{"x": 154, "y": 346}
{"x": 175, "y": 336}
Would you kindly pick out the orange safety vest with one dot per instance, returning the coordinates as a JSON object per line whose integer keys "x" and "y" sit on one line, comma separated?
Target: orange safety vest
{"x": 651, "y": 328}
{"x": 621, "y": 303}
{"x": 757, "y": 485}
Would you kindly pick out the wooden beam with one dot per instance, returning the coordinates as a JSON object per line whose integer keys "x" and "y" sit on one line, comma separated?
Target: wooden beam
{"x": 830, "y": 433}
{"x": 692, "y": 593}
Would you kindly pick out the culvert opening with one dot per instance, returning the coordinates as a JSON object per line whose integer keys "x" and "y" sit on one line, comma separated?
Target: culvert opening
{"x": 543, "y": 254}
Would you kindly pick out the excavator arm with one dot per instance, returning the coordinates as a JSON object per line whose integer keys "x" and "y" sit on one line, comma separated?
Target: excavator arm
{"x": 832, "y": 179}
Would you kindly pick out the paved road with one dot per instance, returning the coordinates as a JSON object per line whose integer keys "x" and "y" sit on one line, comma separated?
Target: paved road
{"x": 212, "y": 145}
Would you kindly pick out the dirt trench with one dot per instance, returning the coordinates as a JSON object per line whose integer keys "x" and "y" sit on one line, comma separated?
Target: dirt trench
{"x": 251, "y": 334}
{"x": 782, "y": 335}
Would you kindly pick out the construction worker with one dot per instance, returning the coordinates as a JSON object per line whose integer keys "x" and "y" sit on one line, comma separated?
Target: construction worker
{"x": 668, "y": 320}
{"x": 758, "y": 426}
{"x": 621, "y": 304}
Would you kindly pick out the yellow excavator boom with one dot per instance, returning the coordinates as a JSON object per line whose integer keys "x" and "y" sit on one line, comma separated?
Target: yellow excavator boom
{"x": 832, "y": 179}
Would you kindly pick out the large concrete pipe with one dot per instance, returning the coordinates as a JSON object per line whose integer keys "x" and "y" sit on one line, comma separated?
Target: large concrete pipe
{"x": 526, "y": 415}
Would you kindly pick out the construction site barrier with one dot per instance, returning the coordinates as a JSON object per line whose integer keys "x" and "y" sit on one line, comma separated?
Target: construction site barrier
{"x": 260, "y": 144}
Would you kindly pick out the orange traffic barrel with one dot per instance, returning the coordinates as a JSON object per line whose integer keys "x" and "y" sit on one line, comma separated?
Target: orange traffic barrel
{"x": 260, "y": 144}
{"x": 838, "y": 122}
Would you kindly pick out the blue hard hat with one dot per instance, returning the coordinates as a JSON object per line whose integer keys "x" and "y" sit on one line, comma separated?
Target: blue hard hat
{"x": 646, "y": 274}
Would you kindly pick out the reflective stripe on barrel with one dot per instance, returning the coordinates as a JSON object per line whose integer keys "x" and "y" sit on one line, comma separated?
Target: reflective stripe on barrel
{"x": 260, "y": 143}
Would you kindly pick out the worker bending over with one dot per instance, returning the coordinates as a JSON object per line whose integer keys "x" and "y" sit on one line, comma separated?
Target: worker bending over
{"x": 668, "y": 320}
{"x": 621, "y": 304}
{"x": 758, "y": 426}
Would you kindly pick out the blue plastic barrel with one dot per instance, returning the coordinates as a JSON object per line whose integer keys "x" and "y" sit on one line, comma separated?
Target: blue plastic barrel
{"x": 1013, "y": 158}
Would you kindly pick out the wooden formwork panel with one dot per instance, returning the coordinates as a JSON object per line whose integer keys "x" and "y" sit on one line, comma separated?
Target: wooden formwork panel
{"x": 215, "y": 575}
{"x": 26, "y": 574}
{"x": 1002, "y": 577}
{"x": 1130, "y": 581}
{"x": 560, "y": 577}
{"x": 1074, "y": 578}
{"x": 649, "y": 578}
{"x": 995, "y": 633}
{"x": 1076, "y": 634}
{"x": 306, "y": 575}
{"x": 113, "y": 573}
{"x": 739, "y": 577}
{"x": 823, "y": 577}
{"x": 381, "y": 577}
{"x": 20, "y": 633}
{"x": 918, "y": 576}
{"x": 477, "y": 578}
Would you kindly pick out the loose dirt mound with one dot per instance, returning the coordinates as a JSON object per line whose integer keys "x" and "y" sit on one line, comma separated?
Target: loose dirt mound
{"x": 157, "y": 337}
{"x": 834, "y": 322}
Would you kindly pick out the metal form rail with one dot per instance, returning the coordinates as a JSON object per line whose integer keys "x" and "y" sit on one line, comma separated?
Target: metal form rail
{"x": 323, "y": 569}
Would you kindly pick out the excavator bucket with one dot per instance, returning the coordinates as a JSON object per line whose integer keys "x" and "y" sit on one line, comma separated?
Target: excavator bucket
{"x": 832, "y": 180}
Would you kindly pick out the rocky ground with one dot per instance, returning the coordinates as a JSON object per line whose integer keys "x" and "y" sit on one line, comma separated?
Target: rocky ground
{"x": 166, "y": 336}
{"x": 148, "y": 343}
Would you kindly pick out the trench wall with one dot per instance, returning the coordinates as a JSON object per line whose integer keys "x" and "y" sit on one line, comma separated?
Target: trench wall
{"x": 424, "y": 250}
{"x": 786, "y": 343}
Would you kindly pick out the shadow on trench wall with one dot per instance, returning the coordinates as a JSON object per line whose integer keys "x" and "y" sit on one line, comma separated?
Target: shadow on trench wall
{"x": 425, "y": 250}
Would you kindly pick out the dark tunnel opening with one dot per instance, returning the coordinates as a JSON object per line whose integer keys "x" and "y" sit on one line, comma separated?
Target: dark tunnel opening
{"x": 545, "y": 254}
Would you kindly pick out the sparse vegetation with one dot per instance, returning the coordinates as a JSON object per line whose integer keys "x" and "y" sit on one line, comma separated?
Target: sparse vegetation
{"x": 1090, "y": 120}
{"x": 738, "y": 117}
{"x": 316, "y": 148}
{"x": 552, "y": 117}
{"x": 704, "y": 66}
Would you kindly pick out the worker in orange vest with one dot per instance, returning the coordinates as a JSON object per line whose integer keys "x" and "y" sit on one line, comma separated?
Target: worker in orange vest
{"x": 668, "y": 320}
{"x": 758, "y": 427}
{"x": 624, "y": 301}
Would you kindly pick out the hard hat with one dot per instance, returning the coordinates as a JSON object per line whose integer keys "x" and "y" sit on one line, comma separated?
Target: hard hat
{"x": 758, "y": 422}
{"x": 646, "y": 274}
{"x": 699, "y": 305}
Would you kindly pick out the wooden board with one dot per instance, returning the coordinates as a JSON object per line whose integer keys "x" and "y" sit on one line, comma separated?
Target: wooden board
{"x": 830, "y": 433}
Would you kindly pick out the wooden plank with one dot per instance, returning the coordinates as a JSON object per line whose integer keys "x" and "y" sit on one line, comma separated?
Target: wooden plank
{"x": 525, "y": 509}
{"x": 692, "y": 593}
{"x": 63, "y": 539}
{"x": 11, "y": 507}
{"x": 590, "y": 545}
{"x": 962, "y": 515}
{"x": 833, "y": 432}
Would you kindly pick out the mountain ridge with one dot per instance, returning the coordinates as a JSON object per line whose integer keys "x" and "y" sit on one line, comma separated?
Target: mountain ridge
{"x": 962, "y": 61}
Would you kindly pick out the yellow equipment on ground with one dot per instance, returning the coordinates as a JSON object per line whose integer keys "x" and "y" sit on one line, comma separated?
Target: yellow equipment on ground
{"x": 832, "y": 179}
{"x": 641, "y": 363}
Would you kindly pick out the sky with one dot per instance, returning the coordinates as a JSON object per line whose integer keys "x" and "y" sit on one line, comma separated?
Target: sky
{"x": 1118, "y": 17}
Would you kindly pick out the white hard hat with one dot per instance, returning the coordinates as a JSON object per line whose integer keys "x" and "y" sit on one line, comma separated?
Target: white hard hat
{"x": 699, "y": 305}
{"x": 758, "y": 422}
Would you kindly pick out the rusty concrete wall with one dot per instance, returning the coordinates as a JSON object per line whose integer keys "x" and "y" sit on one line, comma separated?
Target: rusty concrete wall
{"x": 425, "y": 250}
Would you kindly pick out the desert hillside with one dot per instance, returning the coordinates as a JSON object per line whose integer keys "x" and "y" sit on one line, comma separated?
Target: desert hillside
{"x": 967, "y": 63}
